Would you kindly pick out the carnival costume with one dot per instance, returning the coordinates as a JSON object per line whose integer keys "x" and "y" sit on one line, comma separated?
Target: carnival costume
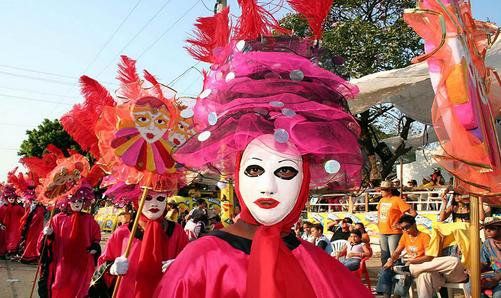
{"x": 10, "y": 218}
{"x": 278, "y": 124}
{"x": 156, "y": 242}
{"x": 69, "y": 245}
{"x": 32, "y": 222}
{"x": 132, "y": 137}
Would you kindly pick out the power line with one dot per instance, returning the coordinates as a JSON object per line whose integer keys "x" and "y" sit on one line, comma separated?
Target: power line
{"x": 36, "y": 78}
{"x": 112, "y": 35}
{"x": 34, "y": 99}
{"x": 36, "y": 92}
{"x": 55, "y": 81}
{"x": 136, "y": 35}
{"x": 184, "y": 72}
{"x": 211, "y": 10}
{"x": 37, "y": 71}
{"x": 16, "y": 125}
{"x": 166, "y": 31}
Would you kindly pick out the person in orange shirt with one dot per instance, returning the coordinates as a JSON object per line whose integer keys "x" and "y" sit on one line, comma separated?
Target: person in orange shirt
{"x": 430, "y": 273}
{"x": 390, "y": 209}
{"x": 414, "y": 243}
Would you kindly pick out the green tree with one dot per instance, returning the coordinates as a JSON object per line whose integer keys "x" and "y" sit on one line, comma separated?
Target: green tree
{"x": 368, "y": 36}
{"x": 48, "y": 132}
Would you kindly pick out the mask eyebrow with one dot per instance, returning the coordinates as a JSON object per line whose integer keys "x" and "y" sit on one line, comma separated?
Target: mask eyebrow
{"x": 295, "y": 162}
{"x": 256, "y": 158}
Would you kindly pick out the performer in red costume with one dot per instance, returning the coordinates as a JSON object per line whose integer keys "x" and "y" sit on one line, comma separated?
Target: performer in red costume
{"x": 10, "y": 218}
{"x": 158, "y": 241}
{"x": 31, "y": 228}
{"x": 71, "y": 249}
{"x": 278, "y": 124}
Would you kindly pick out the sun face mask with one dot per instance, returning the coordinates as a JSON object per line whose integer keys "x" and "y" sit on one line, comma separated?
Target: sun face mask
{"x": 142, "y": 143}
{"x": 154, "y": 205}
{"x": 151, "y": 122}
{"x": 270, "y": 180}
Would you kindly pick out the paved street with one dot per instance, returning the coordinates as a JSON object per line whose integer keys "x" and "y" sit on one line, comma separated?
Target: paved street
{"x": 16, "y": 279}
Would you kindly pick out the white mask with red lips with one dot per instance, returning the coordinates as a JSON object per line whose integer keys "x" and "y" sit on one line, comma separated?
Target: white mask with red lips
{"x": 154, "y": 205}
{"x": 270, "y": 179}
{"x": 76, "y": 206}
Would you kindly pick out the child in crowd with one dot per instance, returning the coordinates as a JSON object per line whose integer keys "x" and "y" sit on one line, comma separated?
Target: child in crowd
{"x": 320, "y": 239}
{"x": 354, "y": 251}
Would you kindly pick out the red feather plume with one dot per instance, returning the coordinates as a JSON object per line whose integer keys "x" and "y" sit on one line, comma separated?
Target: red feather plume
{"x": 81, "y": 120}
{"x": 211, "y": 33}
{"x": 150, "y": 78}
{"x": 127, "y": 72}
{"x": 41, "y": 167}
{"x": 95, "y": 175}
{"x": 22, "y": 182}
{"x": 255, "y": 21}
{"x": 315, "y": 13}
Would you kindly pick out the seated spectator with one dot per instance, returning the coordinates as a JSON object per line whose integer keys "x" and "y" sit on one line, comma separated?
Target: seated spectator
{"x": 172, "y": 211}
{"x": 411, "y": 184}
{"x": 215, "y": 223}
{"x": 430, "y": 273}
{"x": 319, "y": 239}
{"x": 458, "y": 208}
{"x": 490, "y": 258}
{"x": 195, "y": 226}
{"x": 396, "y": 183}
{"x": 306, "y": 236}
{"x": 365, "y": 236}
{"x": 354, "y": 251}
{"x": 414, "y": 243}
{"x": 342, "y": 231}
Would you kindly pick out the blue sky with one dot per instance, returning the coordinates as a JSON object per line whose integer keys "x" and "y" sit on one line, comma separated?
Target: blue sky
{"x": 46, "y": 45}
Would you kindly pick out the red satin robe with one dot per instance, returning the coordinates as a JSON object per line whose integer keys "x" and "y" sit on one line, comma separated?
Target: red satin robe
{"x": 216, "y": 266}
{"x": 32, "y": 229}
{"x": 10, "y": 216}
{"x": 65, "y": 280}
{"x": 116, "y": 247}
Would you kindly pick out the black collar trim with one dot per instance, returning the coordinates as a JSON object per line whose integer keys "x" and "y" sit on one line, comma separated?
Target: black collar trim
{"x": 245, "y": 244}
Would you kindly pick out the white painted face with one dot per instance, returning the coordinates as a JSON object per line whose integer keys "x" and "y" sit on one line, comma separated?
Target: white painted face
{"x": 270, "y": 180}
{"x": 11, "y": 200}
{"x": 154, "y": 205}
{"x": 76, "y": 206}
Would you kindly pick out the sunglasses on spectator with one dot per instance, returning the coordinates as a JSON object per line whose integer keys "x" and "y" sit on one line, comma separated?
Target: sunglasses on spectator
{"x": 406, "y": 227}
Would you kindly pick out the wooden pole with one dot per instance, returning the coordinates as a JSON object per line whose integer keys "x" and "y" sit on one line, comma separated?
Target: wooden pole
{"x": 43, "y": 250}
{"x": 401, "y": 178}
{"x": 133, "y": 232}
{"x": 475, "y": 247}
{"x": 367, "y": 202}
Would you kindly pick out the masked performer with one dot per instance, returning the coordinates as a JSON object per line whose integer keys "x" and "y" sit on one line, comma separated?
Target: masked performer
{"x": 31, "y": 228}
{"x": 157, "y": 242}
{"x": 71, "y": 248}
{"x": 10, "y": 218}
{"x": 279, "y": 123}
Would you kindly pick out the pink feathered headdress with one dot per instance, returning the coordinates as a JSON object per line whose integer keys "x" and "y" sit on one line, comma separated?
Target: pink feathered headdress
{"x": 271, "y": 86}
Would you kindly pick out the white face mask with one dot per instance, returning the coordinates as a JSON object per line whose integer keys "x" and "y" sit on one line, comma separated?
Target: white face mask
{"x": 269, "y": 180}
{"x": 76, "y": 206}
{"x": 154, "y": 205}
{"x": 11, "y": 200}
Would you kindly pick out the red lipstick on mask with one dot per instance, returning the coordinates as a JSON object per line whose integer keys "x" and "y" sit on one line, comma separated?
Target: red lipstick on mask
{"x": 150, "y": 135}
{"x": 154, "y": 210}
{"x": 266, "y": 203}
